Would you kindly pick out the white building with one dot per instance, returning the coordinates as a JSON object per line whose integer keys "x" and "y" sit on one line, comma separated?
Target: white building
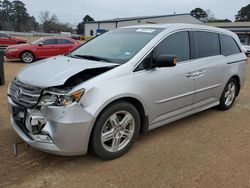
{"x": 93, "y": 28}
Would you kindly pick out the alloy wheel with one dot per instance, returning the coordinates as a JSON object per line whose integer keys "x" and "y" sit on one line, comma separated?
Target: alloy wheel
{"x": 230, "y": 93}
{"x": 117, "y": 131}
{"x": 27, "y": 57}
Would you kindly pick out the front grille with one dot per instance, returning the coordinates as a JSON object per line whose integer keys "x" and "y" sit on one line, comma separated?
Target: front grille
{"x": 23, "y": 94}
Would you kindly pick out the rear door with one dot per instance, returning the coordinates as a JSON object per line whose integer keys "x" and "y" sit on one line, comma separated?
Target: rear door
{"x": 48, "y": 48}
{"x": 64, "y": 46}
{"x": 211, "y": 68}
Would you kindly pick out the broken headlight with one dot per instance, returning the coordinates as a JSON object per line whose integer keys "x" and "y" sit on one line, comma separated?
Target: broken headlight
{"x": 55, "y": 97}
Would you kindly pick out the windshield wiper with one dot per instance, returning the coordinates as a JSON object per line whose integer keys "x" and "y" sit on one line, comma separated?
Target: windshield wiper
{"x": 91, "y": 57}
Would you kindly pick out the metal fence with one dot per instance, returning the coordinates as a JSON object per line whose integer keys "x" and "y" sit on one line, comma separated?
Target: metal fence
{"x": 33, "y": 33}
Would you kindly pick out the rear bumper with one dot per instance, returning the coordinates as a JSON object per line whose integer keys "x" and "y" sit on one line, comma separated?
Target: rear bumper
{"x": 68, "y": 128}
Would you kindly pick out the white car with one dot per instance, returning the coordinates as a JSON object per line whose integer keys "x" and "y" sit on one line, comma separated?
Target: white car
{"x": 127, "y": 81}
{"x": 246, "y": 49}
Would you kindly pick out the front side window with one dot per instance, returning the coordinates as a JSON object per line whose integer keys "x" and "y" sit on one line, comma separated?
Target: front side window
{"x": 49, "y": 42}
{"x": 206, "y": 44}
{"x": 116, "y": 46}
{"x": 228, "y": 46}
{"x": 3, "y": 35}
{"x": 176, "y": 44}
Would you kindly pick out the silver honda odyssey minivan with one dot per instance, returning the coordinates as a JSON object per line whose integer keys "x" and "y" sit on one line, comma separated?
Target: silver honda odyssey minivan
{"x": 128, "y": 81}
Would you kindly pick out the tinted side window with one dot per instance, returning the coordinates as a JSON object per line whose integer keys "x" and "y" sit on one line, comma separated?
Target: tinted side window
{"x": 176, "y": 44}
{"x": 64, "y": 41}
{"x": 49, "y": 41}
{"x": 3, "y": 35}
{"x": 206, "y": 44}
{"x": 228, "y": 45}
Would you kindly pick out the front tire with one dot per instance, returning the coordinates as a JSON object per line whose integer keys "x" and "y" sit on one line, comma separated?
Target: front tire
{"x": 229, "y": 95}
{"x": 115, "y": 131}
{"x": 27, "y": 57}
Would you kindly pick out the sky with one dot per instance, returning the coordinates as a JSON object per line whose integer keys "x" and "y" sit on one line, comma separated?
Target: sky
{"x": 72, "y": 11}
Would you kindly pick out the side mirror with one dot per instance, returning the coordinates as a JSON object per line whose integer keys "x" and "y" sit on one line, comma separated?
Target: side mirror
{"x": 40, "y": 44}
{"x": 164, "y": 60}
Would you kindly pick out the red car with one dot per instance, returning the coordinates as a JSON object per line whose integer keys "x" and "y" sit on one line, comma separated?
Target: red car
{"x": 42, "y": 48}
{"x": 6, "y": 40}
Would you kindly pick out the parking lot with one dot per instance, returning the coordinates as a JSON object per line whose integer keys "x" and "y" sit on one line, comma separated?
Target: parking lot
{"x": 208, "y": 149}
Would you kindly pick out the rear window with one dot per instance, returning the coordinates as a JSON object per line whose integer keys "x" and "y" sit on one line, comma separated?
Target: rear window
{"x": 64, "y": 41}
{"x": 206, "y": 44}
{"x": 228, "y": 46}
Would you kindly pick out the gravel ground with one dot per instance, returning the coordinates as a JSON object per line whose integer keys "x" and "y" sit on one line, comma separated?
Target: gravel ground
{"x": 208, "y": 149}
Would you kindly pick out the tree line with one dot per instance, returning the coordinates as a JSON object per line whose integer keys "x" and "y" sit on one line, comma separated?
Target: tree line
{"x": 14, "y": 17}
{"x": 50, "y": 23}
{"x": 243, "y": 15}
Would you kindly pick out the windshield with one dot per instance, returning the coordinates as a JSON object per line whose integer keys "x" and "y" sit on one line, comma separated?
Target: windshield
{"x": 37, "y": 41}
{"x": 117, "y": 46}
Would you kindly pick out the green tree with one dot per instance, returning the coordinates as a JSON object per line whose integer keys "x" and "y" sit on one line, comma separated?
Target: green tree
{"x": 220, "y": 20}
{"x": 1, "y": 16}
{"x": 80, "y": 28}
{"x": 81, "y": 25}
{"x": 243, "y": 14}
{"x": 88, "y": 18}
{"x": 14, "y": 16}
{"x": 7, "y": 15}
{"x": 20, "y": 14}
{"x": 199, "y": 13}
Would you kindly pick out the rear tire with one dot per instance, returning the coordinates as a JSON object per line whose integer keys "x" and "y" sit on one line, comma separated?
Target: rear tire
{"x": 115, "y": 131}
{"x": 229, "y": 95}
{"x": 27, "y": 57}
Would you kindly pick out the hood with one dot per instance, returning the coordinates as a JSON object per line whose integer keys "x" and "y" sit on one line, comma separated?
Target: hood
{"x": 56, "y": 71}
{"x": 19, "y": 46}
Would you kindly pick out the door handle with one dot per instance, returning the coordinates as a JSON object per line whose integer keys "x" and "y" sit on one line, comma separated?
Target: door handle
{"x": 189, "y": 75}
{"x": 195, "y": 74}
{"x": 200, "y": 72}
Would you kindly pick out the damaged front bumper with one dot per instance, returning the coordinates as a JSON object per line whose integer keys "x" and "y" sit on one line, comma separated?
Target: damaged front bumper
{"x": 58, "y": 130}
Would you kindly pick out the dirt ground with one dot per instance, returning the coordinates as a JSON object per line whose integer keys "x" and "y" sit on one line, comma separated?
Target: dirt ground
{"x": 208, "y": 149}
